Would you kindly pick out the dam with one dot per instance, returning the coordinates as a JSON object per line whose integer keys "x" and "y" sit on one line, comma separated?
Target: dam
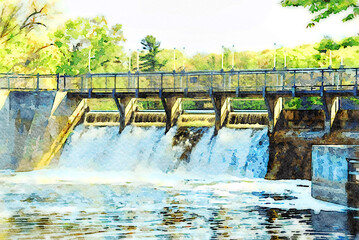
{"x": 222, "y": 171}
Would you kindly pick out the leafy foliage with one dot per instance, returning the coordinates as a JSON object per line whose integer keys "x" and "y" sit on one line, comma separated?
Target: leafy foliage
{"x": 293, "y": 103}
{"x": 249, "y": 104}
{"x": 22, "y": 44}
{"x": 149, "y": 59}
{"x": 327, "y": 44}
{"x": 325, "y": 8}
{"x": 78, "y": 38}
{"x": 149, "y": 105}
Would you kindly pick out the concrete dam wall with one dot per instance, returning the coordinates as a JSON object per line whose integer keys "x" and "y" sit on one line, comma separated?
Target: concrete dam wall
{"x": 34, "y": 125}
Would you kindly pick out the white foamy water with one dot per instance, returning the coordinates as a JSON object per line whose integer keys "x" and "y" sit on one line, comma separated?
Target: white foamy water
{"x": 242, "y": 153}
{"x": 104, "y": 149}
{"x": 134, "y": 185}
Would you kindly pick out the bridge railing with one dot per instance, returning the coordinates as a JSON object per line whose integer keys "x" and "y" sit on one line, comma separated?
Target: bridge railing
{"x": 245, "y": 80}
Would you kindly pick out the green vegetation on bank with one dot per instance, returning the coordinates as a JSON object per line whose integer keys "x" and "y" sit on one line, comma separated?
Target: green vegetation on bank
{"x": 304, "y": 103}
{"x": 248, "y": 104}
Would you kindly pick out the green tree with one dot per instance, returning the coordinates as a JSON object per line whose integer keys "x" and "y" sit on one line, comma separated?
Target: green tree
{"x": 149, "y": 60}
{"x": 325, "y": 8}
{"x": 23, "y": 25}
{"x": 326, "y": 44}
{"x": 81, "y": 37}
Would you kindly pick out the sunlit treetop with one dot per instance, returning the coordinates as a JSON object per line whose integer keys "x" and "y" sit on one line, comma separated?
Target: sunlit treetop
{"x": 325, "y": 8}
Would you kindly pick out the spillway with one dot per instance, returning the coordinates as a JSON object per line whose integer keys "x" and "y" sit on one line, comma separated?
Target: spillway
{"x": 241, "y": 153}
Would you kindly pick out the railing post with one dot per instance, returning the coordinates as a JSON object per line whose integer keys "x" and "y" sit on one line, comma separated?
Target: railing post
{"x": 57, "y": 81}
{"x": 8, "y": 82}
{"x": 212, "y": 79}
{"x": 82, "y": 83}
{"x": 129, "y": 80}
{"x": 356, "y": 83}
{"x": 223, "y": 78}
{"x": 230, "y": 79}
{"x": 187, "y": 80}
{"x": 294, "y": 82}
{"x": 265, "y": 78}
{"x": 138, "y": 81}
{"x": 311, "y": 76}
{"x": 91, "y": 81}
{"x": 161, "y": 86}
{"x": 174, "y": 80}
{"x": 114, "y": 83}
{"x": 38, "y": 82}
{"x": 182, "y": 76}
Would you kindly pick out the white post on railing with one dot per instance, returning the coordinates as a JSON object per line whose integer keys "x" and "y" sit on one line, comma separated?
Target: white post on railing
{"x": 330, "y": 58}
{"x": 129, "y": 62}
{"x": 174, "y": 59}
{"x": 183, "y": 59}
{"x": 233, "y": 57}
{"x": 222, "y": 55}
{"x": 275, "y": 52}
{"x": 90, "y": 60}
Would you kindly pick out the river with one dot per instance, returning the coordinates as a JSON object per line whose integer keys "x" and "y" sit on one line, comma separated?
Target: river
{"x": 144, "y": 184}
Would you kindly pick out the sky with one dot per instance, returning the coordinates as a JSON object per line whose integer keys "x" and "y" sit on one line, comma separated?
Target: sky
{"x": 206, "y": 25}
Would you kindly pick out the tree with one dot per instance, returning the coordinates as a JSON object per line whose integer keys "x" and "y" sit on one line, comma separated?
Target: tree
{"x": 150, "y": 62}
{"x": 79, "y": 37}
{"x": 325, "y": 8}
{"x": 21, "y": 23}
{"x": 326, "y": 44}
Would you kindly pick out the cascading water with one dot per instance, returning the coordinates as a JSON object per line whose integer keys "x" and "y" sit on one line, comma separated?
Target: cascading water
{"x": 145, "y": 184}
{"x": 104, "y": 149}
{"x": 241, "y": 153}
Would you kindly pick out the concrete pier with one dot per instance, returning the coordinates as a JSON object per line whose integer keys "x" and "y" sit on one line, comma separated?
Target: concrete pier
{"x": 330, "y": 181}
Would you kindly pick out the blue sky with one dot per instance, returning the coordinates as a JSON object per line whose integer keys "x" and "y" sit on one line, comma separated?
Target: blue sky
{"x": 206, "y": 25}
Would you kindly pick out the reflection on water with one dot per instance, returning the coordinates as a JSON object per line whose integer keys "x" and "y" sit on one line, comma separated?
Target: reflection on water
{"x": 178, "y": 209}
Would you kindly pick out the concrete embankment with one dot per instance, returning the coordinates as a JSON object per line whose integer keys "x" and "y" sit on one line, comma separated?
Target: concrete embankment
{"x": 34, "y": 126}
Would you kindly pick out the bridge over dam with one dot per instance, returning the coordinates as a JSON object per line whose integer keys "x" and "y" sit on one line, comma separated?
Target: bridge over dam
{"x": 38, "y": 112}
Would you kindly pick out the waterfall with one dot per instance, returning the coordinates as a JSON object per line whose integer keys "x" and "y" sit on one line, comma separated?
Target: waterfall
{"x": 242, "y": 153}
{"x": 237, "y": 152}
{"x": 248, "y": 118}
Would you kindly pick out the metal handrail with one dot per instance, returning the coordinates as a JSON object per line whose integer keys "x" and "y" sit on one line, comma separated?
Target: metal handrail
{"x": 179, "y": 81}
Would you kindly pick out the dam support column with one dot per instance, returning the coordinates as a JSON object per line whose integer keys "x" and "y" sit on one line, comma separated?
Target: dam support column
{"x": 274, "y": 107}
{"x": 72, "y": 121}
{"x": 331, "y": 106}
{"x": 122, "y": 107}
{"x": 172, "y": 107}
{"x": 221, "y": 105}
